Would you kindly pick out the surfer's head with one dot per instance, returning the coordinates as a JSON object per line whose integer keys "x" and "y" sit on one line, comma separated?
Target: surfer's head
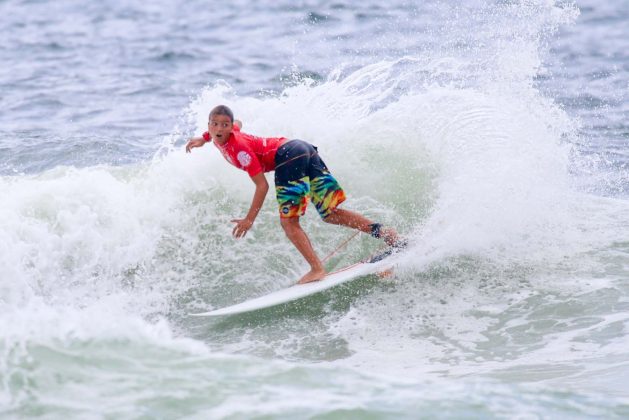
{"x": 221, "y": 110}
{"x": 220, "y": 124}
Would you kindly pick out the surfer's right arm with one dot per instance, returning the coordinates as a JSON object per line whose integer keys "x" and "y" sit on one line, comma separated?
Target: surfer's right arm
{"x": 196, "y": 142}
{"x": 206, "y": 138}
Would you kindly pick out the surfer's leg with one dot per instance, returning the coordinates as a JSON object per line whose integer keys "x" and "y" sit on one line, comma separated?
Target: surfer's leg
{"x": 292, "y": 189}
{"x": 355, "y": 220}
{"x": 298, "y": 237}
{"x": 349, "y": 219}
{"x": 327, "y": 195}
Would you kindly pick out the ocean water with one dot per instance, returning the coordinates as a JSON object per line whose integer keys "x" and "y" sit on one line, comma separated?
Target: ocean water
{"x": 493, "y": 134}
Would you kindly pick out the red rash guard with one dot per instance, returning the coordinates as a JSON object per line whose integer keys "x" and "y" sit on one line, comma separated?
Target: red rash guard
{"x": 250, "y": 153}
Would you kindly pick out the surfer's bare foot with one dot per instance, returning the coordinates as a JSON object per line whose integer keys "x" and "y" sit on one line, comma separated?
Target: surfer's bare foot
{"x": 390, "y": 236}
{"x": 312, "y": 275}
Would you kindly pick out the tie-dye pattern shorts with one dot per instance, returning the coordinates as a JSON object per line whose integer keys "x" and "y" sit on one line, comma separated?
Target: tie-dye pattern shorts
{"x": 301, "y": 176}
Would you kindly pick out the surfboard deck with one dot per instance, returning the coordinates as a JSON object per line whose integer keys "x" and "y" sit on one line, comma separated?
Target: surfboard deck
{"x": 372, "y": 265}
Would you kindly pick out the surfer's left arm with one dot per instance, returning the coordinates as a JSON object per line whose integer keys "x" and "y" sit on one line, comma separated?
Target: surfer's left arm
{"x": 243, "y": 225}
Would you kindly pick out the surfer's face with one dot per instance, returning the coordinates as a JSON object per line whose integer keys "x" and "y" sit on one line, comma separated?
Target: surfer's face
{"x": 220, "y": 127}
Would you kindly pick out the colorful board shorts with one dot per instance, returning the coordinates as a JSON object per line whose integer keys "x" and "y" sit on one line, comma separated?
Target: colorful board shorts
{"x": 301, "y": 176}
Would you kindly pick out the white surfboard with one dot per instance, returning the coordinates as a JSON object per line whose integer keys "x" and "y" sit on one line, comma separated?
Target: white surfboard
{"x": 301, "y": 290}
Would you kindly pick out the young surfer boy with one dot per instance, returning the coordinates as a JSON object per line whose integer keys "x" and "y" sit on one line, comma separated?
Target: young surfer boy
{"x": 300, "y": 176}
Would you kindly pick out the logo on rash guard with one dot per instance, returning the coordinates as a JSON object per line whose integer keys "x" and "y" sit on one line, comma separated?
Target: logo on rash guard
{"x": 244, "y": 159}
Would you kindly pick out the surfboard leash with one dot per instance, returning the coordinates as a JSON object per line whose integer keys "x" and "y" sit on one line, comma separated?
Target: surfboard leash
{"x": 341, "y": 246}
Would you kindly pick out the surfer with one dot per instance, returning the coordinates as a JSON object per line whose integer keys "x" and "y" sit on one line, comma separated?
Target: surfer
{"x": 300, "y": 176}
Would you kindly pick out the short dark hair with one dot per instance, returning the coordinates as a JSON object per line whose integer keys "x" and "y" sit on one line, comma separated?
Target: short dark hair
{"x": 221, "y": 110}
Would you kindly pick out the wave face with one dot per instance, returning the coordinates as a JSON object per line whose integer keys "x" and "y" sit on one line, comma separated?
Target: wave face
{"x": 511, "y": 297}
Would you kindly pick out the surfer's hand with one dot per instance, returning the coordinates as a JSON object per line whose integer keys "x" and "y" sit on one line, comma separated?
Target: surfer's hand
{"x": 241, "y": 228}
{"x": 194, "y": 142}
